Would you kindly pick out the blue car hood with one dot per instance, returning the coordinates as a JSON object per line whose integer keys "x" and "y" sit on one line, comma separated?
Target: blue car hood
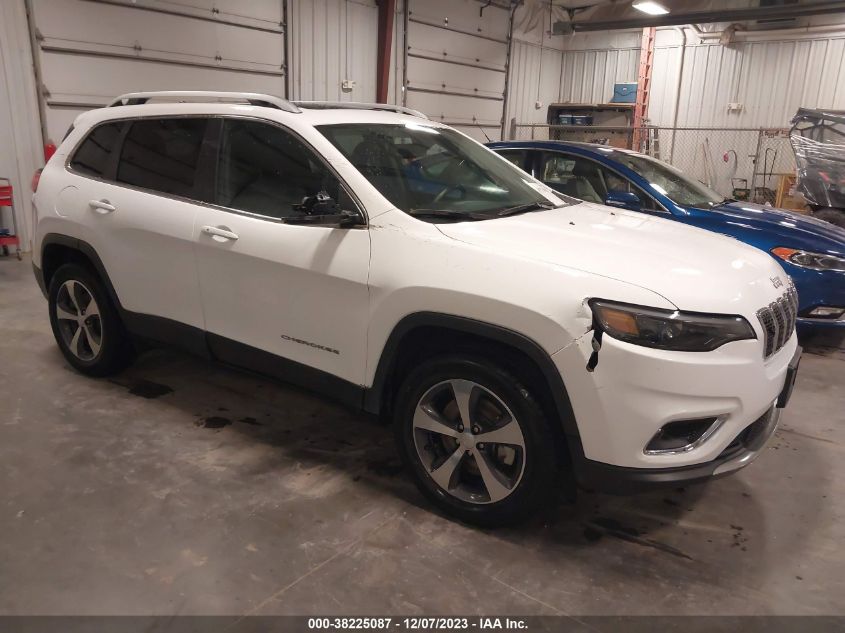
{"x": 776, "y": 227}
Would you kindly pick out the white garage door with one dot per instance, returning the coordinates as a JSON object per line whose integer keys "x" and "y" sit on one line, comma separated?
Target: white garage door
{"x": 94, "y": 50}
{"x": 456, "y": 63}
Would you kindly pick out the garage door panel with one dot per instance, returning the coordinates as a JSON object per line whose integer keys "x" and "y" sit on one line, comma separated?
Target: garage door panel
{"x": 456, "y": 61}
{"x": 454, "y": 78}
{"x": 265, "y": 14}
{"x": 103, "y": 78}
{"x": 462, "y": 15}
{"x": 96, "y": 80}
{"x": 440, "y": 43}
{"x": 482, "y": 134}
{"x": 453, "y": 108}
{"x": 67, "y": 24}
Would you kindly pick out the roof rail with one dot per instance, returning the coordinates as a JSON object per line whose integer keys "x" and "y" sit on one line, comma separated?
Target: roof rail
{"x": 252, "y": 98}
{"x": 355, "y": 105}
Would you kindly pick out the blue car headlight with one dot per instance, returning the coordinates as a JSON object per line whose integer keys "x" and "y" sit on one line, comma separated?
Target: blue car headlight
{"x": 808, "y": 259}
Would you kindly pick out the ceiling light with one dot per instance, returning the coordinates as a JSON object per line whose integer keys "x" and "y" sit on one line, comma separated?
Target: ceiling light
{"x": 652, "y": 8}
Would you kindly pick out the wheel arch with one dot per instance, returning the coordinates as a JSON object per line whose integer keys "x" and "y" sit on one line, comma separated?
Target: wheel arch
{"x": 58, "y": 249}
{"x": 422, "y": 335}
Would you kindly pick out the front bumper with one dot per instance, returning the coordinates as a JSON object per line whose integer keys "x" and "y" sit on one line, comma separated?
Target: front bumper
{"x": 817, "y": 288}
{"x": 636, "y": 391}
{"x": 812, "y": 325}
{"x": 739, "y": 453}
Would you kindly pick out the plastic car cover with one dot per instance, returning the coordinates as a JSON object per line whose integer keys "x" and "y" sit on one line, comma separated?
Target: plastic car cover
{"x": 818, "y": 140}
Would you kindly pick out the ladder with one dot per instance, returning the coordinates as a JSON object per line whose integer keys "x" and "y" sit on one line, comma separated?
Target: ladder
{"x": 643, "y": 86}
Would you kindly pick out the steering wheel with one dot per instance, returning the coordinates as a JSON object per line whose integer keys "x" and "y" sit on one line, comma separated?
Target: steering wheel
{"x": 446, "y": 190}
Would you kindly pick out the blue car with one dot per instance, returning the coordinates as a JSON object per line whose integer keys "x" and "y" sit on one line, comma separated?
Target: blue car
{"x": 811, "y": 251}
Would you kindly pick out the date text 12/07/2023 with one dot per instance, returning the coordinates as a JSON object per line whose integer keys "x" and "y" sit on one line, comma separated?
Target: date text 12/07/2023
{"x": 417, "y": 623}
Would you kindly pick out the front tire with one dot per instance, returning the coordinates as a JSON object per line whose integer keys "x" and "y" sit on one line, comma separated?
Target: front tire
{"x": 476, "y": 441}
{"x": 85, "y": 323}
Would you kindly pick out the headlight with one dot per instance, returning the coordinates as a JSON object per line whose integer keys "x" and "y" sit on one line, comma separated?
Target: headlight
{"x": 806, "y": 259}
{"x": 665, "y": 329}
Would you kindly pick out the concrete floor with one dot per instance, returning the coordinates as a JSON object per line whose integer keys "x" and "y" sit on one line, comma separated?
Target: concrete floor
{"x": 184, "y": 488}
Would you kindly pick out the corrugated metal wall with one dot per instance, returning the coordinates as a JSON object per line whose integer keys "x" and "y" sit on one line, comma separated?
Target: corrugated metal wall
{"x": 770, "y": 78}
{"x": 535, "y": 77}
{"x": 535, "y": 67}
{"x": 332, "y": 41}
{"x": 593, "y": 63}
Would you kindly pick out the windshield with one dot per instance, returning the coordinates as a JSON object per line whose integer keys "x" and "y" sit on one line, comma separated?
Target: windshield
{"x": 437, "y": 173}
{"x": 670, "y": 182}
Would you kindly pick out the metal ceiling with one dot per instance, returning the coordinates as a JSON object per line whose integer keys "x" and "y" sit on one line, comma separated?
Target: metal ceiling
{"x": 589, "y": 15}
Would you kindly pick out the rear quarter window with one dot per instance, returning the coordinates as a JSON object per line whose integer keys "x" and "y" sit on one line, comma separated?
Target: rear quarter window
{"x": 94, "y": 156}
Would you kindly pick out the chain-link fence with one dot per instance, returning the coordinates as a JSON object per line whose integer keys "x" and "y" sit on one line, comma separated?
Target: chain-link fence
{"x": 742, "y": 163}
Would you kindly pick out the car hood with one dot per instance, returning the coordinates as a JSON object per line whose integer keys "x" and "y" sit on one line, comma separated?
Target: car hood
{"x": 694, "y": 269}
{"x": 780, "y": 227}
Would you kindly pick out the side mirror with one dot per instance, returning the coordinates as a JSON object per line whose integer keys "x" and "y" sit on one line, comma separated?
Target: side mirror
{"x": 323, "y": 210}
{"x": 623, "y": 200}
{"x": 318, "y": 204}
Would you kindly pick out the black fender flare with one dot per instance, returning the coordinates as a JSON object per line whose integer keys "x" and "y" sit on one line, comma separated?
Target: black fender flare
{"x": 374, "y": 395}
{"x": 89, "y": 252}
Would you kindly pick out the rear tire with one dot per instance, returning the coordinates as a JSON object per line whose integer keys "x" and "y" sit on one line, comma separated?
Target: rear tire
{"x": 829, "y": 214}
{"x": 498, "y": 468}
{"x": 86, "y": 324}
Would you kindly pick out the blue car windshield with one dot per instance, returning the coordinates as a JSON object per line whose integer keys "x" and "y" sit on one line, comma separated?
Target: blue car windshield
{"x": 673, "y": 184}
{"x": 435, "y": 172}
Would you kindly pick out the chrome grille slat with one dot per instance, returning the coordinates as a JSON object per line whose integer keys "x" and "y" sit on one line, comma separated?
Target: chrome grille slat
{"x": 778, "y": 321}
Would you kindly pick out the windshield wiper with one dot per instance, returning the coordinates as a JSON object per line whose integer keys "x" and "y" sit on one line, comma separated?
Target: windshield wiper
{"x": 446, "y": 213}
{"x": 525, "y": 208}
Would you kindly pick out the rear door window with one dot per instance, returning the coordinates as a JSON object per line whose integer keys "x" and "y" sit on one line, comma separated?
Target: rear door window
{"x": 95, "y": 155}
{"x": 163, "y": 155}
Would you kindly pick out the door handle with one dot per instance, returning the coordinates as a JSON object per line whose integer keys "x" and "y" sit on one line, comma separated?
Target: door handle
{"x": 220, "y": 231}
{"x": 101, "y": 206}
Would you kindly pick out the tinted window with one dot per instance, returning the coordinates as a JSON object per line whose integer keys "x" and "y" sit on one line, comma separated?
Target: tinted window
{"x": 94, "y": 155}
{"x": 265, "y": 170}
{"x": 162, "y": 155}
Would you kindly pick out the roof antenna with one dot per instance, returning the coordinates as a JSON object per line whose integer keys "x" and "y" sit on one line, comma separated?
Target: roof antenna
{"x": 485, "y": 134}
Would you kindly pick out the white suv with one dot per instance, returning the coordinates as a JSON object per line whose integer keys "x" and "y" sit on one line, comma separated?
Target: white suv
{"x": 515, "y": 337}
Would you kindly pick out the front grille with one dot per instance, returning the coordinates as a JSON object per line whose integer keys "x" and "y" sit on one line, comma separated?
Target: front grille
{"x": 778, "y": 320}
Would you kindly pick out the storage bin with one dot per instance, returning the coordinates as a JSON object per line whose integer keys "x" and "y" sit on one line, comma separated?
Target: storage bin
{"x": 624, "y": 93}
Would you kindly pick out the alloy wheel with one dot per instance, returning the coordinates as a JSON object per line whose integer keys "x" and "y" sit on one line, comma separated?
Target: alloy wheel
{"x": 79, "y": 320}
{"x": 469, "y": 441}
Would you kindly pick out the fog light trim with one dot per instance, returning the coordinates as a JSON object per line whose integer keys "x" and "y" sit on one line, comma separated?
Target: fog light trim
{"x": 680, "y": 450}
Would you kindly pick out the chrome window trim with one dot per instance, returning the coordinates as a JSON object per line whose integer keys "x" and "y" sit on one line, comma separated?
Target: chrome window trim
{"x": 355, "y": 200}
